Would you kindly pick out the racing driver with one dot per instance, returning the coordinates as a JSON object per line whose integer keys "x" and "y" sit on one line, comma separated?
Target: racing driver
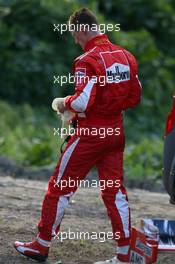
{"x": 96, "y": 105}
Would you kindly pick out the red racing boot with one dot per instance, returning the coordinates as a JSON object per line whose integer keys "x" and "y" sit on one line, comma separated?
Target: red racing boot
{"x": 37, "y": 250}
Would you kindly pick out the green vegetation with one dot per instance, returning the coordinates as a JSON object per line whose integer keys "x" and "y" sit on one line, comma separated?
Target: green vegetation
{"x": 32, "y": 53}
{"x": 27, "y": 135}
{"x": 143, "y": 161}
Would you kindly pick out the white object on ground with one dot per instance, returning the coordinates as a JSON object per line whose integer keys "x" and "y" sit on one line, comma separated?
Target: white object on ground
{"x": 110, "y": 261}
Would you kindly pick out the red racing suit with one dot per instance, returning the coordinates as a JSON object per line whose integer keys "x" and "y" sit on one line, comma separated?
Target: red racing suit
{"x": 106, "y": 84}
{"x": 116, "y": 88}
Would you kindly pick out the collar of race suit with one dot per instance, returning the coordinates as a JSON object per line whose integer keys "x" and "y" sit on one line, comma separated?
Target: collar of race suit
{"x": 97, "y": 40}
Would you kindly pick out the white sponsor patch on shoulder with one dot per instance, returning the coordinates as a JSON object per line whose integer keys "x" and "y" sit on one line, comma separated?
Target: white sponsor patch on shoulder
{"x": 117, "y": 72}
{"x": 80, "y": 74}
{"x": 116, "y": 66}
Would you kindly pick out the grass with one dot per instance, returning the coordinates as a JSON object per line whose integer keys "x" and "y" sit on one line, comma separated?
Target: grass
{"x": 143, "y": 160}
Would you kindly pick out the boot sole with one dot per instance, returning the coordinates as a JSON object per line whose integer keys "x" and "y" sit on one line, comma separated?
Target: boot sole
{"x": 38, "y": 258}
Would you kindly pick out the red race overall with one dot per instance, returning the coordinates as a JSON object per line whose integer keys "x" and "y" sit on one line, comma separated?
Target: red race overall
{"x": 106, "y": 84}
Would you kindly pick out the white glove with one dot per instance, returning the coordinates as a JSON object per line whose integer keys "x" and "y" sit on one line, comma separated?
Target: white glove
{"x": 57, "y": 104}
{"x": 67, "y": 115}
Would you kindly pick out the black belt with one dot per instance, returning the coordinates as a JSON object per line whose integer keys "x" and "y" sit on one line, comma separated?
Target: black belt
{"x": 66, "y": 140}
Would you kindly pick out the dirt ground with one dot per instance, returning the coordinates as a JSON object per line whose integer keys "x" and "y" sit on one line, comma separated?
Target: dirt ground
{"x": 20, "y": 205}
